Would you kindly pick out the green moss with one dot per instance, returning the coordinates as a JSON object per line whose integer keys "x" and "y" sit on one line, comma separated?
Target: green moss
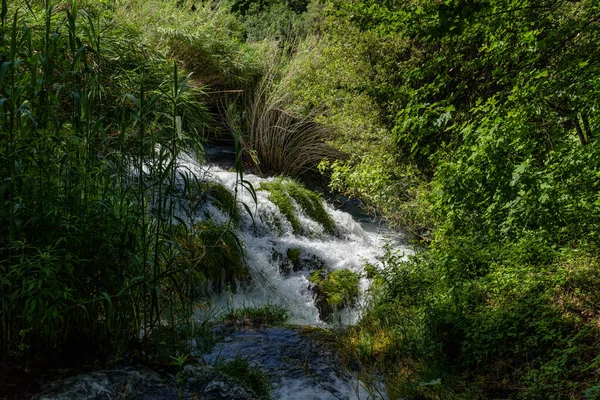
{"x": 340, "y": 287}
{"x": 311, "y": 203}
{"x": 224, "y": 200}
{"x": 279, "y": 197}
{"x": 281, "y": 193}
{"x": 294, "y": 256}
{"x": 210, "y": 252}
{"x": 251, "y": 378}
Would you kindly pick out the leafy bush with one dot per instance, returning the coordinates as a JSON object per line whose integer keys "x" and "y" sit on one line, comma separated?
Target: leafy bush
{"x": 528, "y": 319}
{"x": 207, "y": 40}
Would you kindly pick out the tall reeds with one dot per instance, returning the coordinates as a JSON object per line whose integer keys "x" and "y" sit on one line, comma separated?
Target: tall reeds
{"x": 91, "y": 129}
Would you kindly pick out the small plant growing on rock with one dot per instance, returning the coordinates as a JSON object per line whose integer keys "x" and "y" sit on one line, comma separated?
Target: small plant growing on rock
{"x": 334, "y": 290}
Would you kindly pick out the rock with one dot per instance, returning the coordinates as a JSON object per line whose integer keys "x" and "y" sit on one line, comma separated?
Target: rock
{"x": 298, "y": 365}
{"x": 211, "y": 384}
{"x": 130, "y": 383}
{"x": 143, "y": 384}
{"x": 334, "y": 290}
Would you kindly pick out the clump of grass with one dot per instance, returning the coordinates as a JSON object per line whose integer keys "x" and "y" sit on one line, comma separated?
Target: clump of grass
{"x": 293, "y": 255}
{"x": 251, "y": 378}
{"x": 281, "y": 193}
{"x": 284, "y": 141}
{"x": 263, "y": 316}
{"x": 340, "y": 287}
{"x": 224, "y": 200}
{"x": 210, "y": 253}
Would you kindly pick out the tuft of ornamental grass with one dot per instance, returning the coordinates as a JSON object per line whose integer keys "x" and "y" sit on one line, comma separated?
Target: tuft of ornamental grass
{"x": 257, "y": 316}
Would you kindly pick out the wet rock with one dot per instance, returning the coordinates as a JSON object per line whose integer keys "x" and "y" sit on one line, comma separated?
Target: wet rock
{"x": 211, "y": 384}
{"x": 130, "y": 383}
{"x": 142, "y": 384}
{"x": 334, "y": 290}
{"x": 299, "y": 368}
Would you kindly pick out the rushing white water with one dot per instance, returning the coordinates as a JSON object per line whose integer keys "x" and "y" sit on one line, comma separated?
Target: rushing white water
{"x": 266, "y": 248}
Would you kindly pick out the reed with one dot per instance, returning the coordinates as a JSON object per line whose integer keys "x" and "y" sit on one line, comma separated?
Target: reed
{"x": 92, "y": 126}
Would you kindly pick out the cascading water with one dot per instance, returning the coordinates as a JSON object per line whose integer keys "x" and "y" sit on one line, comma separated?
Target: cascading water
{"x": 268, "y": 238}
{"x": 297, "y": 367}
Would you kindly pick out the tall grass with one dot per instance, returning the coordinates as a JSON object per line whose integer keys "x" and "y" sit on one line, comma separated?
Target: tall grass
{"x": 92, "y": 127}
{"x": 281, "y": 139}
{"x": 209, "y": 40}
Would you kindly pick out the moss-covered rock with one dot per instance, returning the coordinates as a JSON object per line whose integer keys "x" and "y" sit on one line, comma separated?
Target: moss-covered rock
{"x": 334, "y": 290}
{"x": 282, "y": 191}
{"x": 293, "y": 255}
{"x": 224, "y": 200}
{"x": 210, "y": 254}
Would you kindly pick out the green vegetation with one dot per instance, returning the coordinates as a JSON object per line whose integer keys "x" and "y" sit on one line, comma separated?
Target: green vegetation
{"x": 253, "y": 379}
{"x": 224, "y": 200}
{"x": 210, "y": 254}
{"x": 93, "y": 115}
{"x": 279, "y": 197}
{"x": 339, "y": 287}
{"x": 253, "y": 316}
{"x": 474, "y": 127}
{"x": 281, "y": 193}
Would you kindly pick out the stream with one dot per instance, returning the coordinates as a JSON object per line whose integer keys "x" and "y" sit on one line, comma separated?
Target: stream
{"x": 358, "y": 239}
{"x": 298, "y": 367}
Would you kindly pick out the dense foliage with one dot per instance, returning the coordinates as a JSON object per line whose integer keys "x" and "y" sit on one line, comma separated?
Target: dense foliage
{"x": 475, "y": 125}
{"x": 97, "y": 246}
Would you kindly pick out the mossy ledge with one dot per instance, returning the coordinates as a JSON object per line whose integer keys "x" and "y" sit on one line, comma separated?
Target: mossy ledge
{"x": 211, "y": 254}
{"x": 282, "y": 191}
{"x": 224, "y": 200}
{"x": 334, "y": 290}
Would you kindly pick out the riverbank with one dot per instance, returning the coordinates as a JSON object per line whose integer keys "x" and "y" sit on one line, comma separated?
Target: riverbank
{"x": 287, "y": 362}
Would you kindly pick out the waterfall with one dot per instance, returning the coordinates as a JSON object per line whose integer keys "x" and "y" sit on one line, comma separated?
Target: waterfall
{"x": 269, "y": 239}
